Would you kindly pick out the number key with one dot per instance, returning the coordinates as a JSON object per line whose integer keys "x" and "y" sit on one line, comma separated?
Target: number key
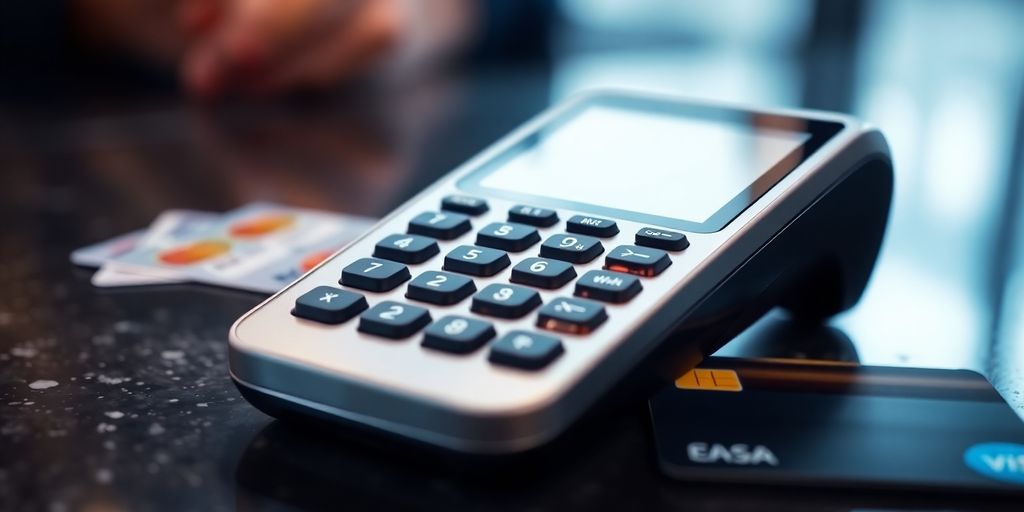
{"x": 571, "y": 248}
{"x": 507, "y": 236}
{"x": 393, "y": 320}
{"x": 476, "y": 261}
{"x": 442, "y": 288}
{"x": 505, "y": 301}
{"x": 406, "y": 248}
{"x": 457, "y": 334}
{"x": 440, "y": 225}
{"x": 542, "y": 273}
{"x": 375, "y": 275}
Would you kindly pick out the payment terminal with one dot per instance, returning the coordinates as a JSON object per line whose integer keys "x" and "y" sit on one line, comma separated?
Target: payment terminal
{"x": 615, "y": 236}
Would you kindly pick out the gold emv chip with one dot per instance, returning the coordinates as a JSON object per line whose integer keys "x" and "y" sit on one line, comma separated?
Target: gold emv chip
{"x": 707, "y": 379}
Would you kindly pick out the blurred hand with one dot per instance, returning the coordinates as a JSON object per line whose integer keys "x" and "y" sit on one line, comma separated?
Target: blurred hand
{"x": 145, "y": 29}
{"x": 260, "y": 47}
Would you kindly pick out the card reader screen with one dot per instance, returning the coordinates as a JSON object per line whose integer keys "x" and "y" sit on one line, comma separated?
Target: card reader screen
{"x": 660, "y": 164}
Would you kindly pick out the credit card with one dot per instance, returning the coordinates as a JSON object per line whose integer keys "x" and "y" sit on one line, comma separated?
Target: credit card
{"x": 260, "y": 247}
{"x": 817, "y": 423}
{"x": 97, "y": 254}
{"x": 111, "y": 278}
{"x": 169, "y": 228}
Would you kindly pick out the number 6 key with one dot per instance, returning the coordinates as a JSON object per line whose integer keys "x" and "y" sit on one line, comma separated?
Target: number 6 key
{"x": 542, "y": 273}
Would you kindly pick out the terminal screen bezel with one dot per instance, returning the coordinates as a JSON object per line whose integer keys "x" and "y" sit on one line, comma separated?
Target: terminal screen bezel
{"x": 819, "y": 131}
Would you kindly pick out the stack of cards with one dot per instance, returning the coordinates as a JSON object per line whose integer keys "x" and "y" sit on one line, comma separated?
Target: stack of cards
{"x": 259, "y": 247}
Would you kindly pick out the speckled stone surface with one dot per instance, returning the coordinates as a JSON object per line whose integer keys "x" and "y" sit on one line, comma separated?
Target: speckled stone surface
{"x": 126, "y": 405}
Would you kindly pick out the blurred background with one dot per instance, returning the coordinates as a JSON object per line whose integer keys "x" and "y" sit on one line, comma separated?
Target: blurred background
{"x": 943, "y": 81}
{"x": 96, "y": 141}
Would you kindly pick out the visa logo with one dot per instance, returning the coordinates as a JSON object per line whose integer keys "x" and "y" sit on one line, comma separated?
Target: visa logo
{"x": 999, "y": 461}
{"x": 737, "y": 454}
{"x": 1004, "y": 462}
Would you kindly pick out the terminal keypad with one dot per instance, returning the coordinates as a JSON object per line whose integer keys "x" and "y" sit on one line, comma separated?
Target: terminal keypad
{"x": 483, "y": 255}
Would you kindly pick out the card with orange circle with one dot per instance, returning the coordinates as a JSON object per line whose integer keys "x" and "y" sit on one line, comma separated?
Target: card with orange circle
{"x": 259, "y": 247}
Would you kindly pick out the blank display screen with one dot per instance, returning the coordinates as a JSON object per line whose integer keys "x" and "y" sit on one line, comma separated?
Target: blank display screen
{"x": 654, "y": 163}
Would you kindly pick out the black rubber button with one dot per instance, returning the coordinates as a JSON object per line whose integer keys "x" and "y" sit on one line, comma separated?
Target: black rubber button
{"x": 608, "y": 286}
{"x": 440, "y": 225}
{"x": 641, "y": 261}
{"x": 457, "y": 334}
{"x": 393, "y": 320}
{"x": 542, "y": 273}
{"x": 573, "y": 316}
{"x": 476, "y": 261}
{"x": 442, "y": 288}
{"x": 571, "y": 248}
{"x": 329, "y": 305}
{"x": 505, "y": 301}
{"x": 464, "y": 204}
{"x": 374, "y": 274}
{"x": 406, "y": 248}
{"x": 532, "y": 215}
{"x": 525, "y": 350}
{"x": 507, "y": 236}
{"x": 593, "y": 226}
{"x": 662, "y": 239}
